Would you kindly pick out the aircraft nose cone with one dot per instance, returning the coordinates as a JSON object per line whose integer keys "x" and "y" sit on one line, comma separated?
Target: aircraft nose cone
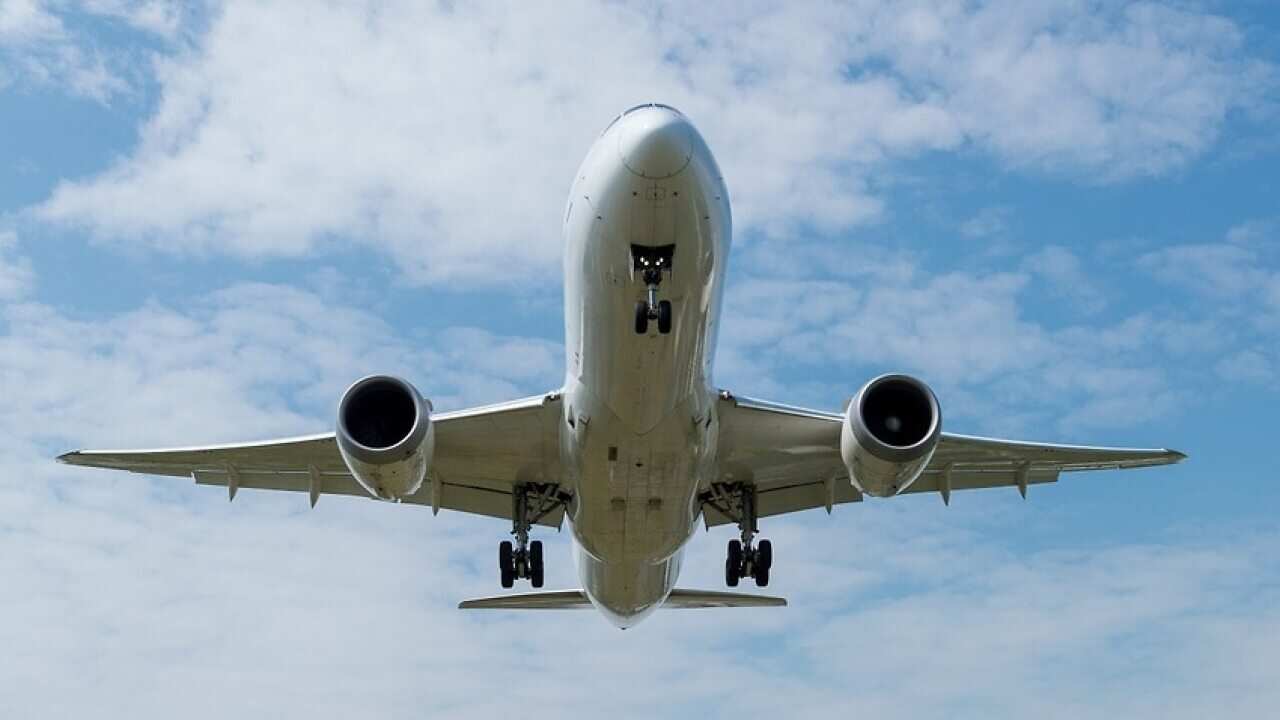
{"x": 655, "y": 142}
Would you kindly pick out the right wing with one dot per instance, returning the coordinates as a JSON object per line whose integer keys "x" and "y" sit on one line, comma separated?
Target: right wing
{"x": 480, "y": 454}
{"x": 792, "y": 457}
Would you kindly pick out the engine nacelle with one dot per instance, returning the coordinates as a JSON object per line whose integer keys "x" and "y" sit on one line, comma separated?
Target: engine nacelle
{"x": 891, "y": 429}
{"x": 385, "y": 435}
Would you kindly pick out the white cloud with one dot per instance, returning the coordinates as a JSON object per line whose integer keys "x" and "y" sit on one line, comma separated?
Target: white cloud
{"x": 447, "y": 137}
{"x": 1223, "y": 271}
{"x": 149, "y": 598}
{"x": 992, "y": 360}
{"x": 39, "y": 48}
{"x": 162, "y": 18}
{"x": 997, "y": 367}
{"x": 249, "y": 361}
{"x": 1235, "y": 287}
{"x": 25, "y": 20}
{"x": 1064, "y": 275}
{"x": 1246, "y": 366}
{"x": 16, "y": 277}
{"x": 988, "y": 222}
{"x": 1120, "y": 89}
{"x": 1239, "y": 275}
{"x": 139, "y": 597}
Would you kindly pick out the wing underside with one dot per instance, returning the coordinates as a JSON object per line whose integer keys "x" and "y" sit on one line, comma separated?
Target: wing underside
{"x": 792, "y": 456}
{"x": 480, "y": 454}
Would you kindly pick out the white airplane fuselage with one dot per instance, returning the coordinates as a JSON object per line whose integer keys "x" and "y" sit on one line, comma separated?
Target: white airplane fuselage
{"x": 640, "y": 431}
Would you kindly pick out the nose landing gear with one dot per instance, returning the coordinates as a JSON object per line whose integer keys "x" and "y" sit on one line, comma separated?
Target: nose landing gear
{"x": 743, "y": 558}
{"x": 646, "y": 311}
{"x": 651, "y": 263}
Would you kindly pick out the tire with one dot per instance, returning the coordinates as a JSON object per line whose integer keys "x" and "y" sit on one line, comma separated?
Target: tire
{"x": 762, "y": 576}
{"x": 642, "y": 317}
{"x": 535, "y": 563}
{"x": 506, "y": 564}
{"x": 733, "y": 563}
{"x": 735, "y": 552}
{"x": 764, "y": 555}
{"x": 664, "y": 317}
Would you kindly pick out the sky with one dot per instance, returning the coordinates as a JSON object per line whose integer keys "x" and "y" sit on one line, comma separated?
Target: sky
{"x": 1062, "y": 215}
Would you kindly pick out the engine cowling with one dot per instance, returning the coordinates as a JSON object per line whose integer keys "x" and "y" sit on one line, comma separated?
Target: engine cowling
{"x": 385, "y": 435}
{"x": 891, "y": 429}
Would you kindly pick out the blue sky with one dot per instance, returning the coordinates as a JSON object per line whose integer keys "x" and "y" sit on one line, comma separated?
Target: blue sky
{"x": 1062, "y": 215}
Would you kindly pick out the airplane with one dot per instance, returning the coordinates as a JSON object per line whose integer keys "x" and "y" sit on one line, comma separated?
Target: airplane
{"x": 638, "y": 448}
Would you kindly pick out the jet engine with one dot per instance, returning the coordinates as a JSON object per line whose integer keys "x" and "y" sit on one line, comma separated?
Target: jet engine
{"x": 385, "y": 435}
{"x": 891, "y": 428}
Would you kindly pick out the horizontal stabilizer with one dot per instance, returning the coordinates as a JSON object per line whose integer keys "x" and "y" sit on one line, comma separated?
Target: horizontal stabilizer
{"x": 577, "y": 600}
{"x": 688, "y": 599}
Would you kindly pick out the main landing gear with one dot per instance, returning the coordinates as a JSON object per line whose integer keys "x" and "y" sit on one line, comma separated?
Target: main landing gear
{"x": 523, "y": 559}
{"x": 744, "y": 558}
{"x": 651, "y": 263}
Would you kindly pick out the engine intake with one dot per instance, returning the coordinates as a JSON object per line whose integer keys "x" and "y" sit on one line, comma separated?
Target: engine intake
{"x": 891, "y": 429}
{"x": 385, "y": 436}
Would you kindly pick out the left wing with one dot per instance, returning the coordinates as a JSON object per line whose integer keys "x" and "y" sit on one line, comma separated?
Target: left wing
{"x": 480, "y": 454}
{"x": 792, "y": 456}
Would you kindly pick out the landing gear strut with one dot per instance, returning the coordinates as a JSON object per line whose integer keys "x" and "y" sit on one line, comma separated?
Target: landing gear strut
{"x": 651, "y": 263}
{"x": 743, "y": 558}
{"x": 523, "y": 560}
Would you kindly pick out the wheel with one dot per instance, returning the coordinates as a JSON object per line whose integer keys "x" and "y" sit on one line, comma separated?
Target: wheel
{"x": 762, "y": 575}
{"x": 733, "y": 564}
{"x": 664, "y": 317}
{"x": 506, "y": 564}
{"x": 731, "y": 573}
{"x": 642, "y": 317}
{"x": 735, "y": 552}
{"x": 535, "y": 563}
{"x": 764, "y": 555}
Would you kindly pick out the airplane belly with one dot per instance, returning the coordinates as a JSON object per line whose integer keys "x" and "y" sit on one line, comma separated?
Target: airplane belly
{"x": 636, "y": 495}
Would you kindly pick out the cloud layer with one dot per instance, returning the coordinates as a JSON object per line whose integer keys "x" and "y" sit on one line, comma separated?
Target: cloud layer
{"x": 143, "y": 597}
{"x": 45, "y": 44}
{"x": 443, "y": 138}
{"x": 446, "y": 137}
